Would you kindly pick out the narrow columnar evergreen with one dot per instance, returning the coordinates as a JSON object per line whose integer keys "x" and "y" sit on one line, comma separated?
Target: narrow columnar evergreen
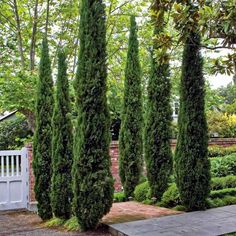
{"x": 62, "y": 145}
{"x": 130, "y": 139}
{"x": 158, "y": 153}
{"x": 43, "y": 135}
{"x": 92, "y": 179}
{"x": 191, "y": 163}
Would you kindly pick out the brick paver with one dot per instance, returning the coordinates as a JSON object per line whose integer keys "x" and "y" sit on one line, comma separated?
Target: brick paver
{"x": 212, "y": 222}
{"x": 131, "y": 211}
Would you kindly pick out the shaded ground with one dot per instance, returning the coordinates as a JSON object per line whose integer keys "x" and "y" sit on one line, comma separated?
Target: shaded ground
{"x": 29, "y": 224}
{"x": 132, "y": 211}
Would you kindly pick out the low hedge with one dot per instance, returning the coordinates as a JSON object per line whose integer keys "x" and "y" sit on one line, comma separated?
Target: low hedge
{"x": 218, "y": 183}
{"x": 171, "y": 197}
{"x": 221, "y": 187}
{"x": 218, "y": 151}
{"x": 223, "y": 166}
{"x": 219, "y": 202}
{"x": 222, "y": 193}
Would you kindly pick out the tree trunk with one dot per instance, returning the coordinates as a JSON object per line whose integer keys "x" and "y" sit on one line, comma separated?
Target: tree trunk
{"x": 33, "y": 37}
{"x": 20, "y": 43}
{"x": 30, "y": 116}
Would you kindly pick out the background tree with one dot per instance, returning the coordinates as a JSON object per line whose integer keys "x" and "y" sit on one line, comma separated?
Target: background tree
{"x": 62, "y": 145}
{"x": 42, "y": 146}
{"x": 191, "y": 161}
{"x": 92, "y": 179}
{"x": 158, "y": 153}
{"x": 130, "y": 141}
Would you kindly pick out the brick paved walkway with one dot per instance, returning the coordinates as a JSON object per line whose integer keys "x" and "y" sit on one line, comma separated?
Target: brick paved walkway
{"x": 212, "y": 222}
{"x": 131, "y": 211}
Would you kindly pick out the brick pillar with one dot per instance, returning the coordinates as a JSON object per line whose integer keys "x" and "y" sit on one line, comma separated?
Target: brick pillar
{"x": 114, "y": 153}
{"x": 31, "y": 174}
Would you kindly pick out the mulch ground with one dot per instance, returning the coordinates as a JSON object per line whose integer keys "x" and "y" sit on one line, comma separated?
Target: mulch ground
{"x": 29, "y": 224}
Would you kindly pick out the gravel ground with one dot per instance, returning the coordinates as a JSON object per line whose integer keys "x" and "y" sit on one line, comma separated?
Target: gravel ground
{"x": 29, "y": 224}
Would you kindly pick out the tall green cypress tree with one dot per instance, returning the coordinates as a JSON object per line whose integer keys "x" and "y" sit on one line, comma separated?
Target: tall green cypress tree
{"x": 130, "y": 139}
{"x": 191, "y": 162}
{"x": 62, "y": 145}
{"x": 92, "y": 179}
{"x": 43, "y": 135}
{"x": 158, "y": 153}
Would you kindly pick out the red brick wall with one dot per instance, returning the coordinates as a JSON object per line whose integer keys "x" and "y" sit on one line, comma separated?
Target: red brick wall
{"x": 31, "y": 174}
{"x": 223, "y": 142}
{"x": 114, "y": 153}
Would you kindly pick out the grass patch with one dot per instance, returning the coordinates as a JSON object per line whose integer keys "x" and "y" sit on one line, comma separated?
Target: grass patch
{"x": 72, "y": 224}
{"x": 55, "y": 222}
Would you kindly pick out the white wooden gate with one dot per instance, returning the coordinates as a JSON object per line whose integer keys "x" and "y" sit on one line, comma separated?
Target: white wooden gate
{"x": 13, "y": 179}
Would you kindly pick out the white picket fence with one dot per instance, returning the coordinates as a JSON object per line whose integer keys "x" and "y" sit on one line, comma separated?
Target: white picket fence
{"x": 14, "y": 189}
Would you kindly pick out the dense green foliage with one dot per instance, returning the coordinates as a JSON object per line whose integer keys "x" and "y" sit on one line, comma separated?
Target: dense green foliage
{"x": 221, "y": 124}
{"x": 142, "y": 192}
{"x": 219, "y": 202}
{"x": 119, "y": 197}
{"x": 43, "y": 135}
{"x": 223, "y": 166}
{"x": 223, "y": 182}
{"x": 13, "y": 133}
{"x": 218, "y": 151}
{"x": 62, "y": 145}
{"x": 92, "y": 179}
{"x": 171, "y": 197}
{"x": 158, "y": 132}
{"x": 192, "y": 166}
{"x": 222, "y": 193}
{"x": 130, "y": 138}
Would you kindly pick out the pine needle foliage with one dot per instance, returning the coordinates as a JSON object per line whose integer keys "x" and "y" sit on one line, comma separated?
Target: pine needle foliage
{"x": 158, "y": 153}
{"x": 92, "y": 179}
{"x": 191, "y": 162}
{"x": 43, "y": 135}
{"x": 62, "y": 144}
{"x": 130, "y": 138}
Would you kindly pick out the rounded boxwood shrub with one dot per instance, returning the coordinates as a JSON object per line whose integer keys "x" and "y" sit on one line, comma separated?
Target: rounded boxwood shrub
{"x": 142, "y": 192}
{"x": 171, "y": 197}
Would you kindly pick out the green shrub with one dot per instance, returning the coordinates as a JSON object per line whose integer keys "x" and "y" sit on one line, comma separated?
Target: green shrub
{"x": 72, "y": 224}
{"x": 218, "y": 183}
{"x": 222, "y": 193}
{"x": 171, "y": 197}
{"x": 119, "y": 197}
{"x": 142, "y": 192}
{"x": 221, "y": 123}
{"x": 13, "y": 133}
{"x": 219, "y": 202}
{"x": 55, "y": 222}
{"x": 223, "y": 166}
{"x": 218, "y": 151}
